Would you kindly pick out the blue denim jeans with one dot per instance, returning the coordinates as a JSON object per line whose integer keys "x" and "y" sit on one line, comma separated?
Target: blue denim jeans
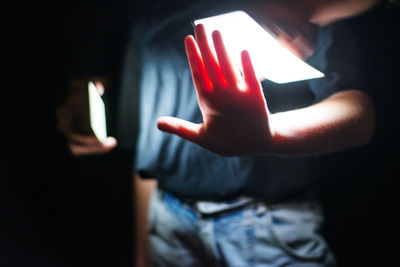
{"x": 254, "y": 234}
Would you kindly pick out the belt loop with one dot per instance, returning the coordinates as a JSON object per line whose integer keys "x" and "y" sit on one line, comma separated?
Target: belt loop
{"x": 261, "y": 209}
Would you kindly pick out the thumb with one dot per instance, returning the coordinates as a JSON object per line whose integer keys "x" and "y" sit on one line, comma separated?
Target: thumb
{"x": 110, "y": 143}
{"x": 185, "y": 129}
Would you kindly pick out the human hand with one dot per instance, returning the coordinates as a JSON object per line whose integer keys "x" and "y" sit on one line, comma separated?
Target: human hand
{"x": 81, "y": 145}
{"x": 234, "y": 110}
{"x": 73, "y": 117}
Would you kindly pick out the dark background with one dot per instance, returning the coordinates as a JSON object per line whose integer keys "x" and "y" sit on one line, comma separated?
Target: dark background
{"x": 57, "y": 210}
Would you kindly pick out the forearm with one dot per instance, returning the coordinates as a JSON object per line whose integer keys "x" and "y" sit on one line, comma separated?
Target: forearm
{"x": 344, "y": 120}
{"x": 143, "y": 190}
{"x": 329, "y": 11}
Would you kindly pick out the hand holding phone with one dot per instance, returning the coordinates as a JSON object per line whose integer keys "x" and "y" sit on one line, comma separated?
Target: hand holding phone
{"x": 82, "y": 119}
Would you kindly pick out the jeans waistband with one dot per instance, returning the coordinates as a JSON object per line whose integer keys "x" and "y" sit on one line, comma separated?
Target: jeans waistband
{"x": 209, "y": 208}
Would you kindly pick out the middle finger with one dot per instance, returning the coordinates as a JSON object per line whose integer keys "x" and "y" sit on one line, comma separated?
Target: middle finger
{"x": 209, "y": 58}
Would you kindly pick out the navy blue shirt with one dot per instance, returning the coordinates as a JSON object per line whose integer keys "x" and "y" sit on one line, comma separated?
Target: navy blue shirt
{"x": 166, "y": 89}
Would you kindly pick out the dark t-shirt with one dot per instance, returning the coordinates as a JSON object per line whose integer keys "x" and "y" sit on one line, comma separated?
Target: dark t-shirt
{"x": 166, "y": 88}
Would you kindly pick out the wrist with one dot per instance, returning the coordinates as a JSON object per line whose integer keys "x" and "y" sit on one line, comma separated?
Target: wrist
{"x": 283, "y": 139}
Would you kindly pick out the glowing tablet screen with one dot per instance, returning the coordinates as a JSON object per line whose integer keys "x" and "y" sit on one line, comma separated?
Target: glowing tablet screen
{"x": 271, "y": 60}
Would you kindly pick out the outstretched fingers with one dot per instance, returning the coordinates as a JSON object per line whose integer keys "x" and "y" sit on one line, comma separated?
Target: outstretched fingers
{"x": 209, "y": 57}
{"x": 228, "y": 68}
{"x": 199, "y": 73}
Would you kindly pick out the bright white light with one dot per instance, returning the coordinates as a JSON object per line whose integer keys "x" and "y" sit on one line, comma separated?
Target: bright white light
{"x": 97, "y": 113}
{"x": 270, "y": 59}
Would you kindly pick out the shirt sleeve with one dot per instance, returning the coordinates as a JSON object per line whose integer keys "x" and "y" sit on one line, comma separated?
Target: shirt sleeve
{"x": 336, "y": 56}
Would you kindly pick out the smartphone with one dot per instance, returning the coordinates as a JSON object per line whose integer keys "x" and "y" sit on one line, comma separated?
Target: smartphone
{"x": 97, "y": 113}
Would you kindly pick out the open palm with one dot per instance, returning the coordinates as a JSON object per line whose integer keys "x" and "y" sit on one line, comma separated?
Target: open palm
{"x": 234, "y": 110}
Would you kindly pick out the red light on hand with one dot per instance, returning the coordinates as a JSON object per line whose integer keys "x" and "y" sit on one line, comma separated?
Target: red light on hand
{"x": 235, "y": 114}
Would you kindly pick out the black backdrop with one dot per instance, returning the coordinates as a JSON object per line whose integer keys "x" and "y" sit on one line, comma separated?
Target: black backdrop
{"x": 57, "y": 210}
